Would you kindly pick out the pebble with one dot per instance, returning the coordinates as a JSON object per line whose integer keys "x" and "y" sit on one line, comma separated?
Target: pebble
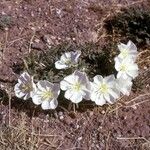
{"x": 61, "y": 117}
{"x": 37, "y": 46}
{"x": 80, "y": 138}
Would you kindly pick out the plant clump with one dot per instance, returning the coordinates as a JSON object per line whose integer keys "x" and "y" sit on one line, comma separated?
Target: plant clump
{"x": 77, "y": 83}
{"x": 131, "y": 23}
{"x": 5, "y": 22}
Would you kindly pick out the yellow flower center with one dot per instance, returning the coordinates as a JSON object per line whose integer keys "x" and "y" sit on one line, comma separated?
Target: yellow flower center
{"x": 103, "y": 88}
{"x": 26, "y": 87}
{"x": 47, "y": 95}
{"x": 124, "y": 53}
{"x": 123, "y": 68}
{"x": 77, "y": 86}
{"x": 68, "y": 61}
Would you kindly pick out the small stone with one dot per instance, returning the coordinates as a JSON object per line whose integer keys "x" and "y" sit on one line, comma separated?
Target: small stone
{"x": 3, "y": 13}
{"x": 91, "y": 113}
{"x": 55, "y": 114}
{"x": 60, "y": 113}
{"x": 61, "y": 117}
{"x": 39, "y": 9}
{"x": 103, "y": 111}
{"x": 37, "y": 40}
{"x": 6, "y": 29}
{"x": 80, "y": 138}
{"x": 33, "y": 28}
{"x": 48, "y": 39}
{"x": 37, "y": 46}
{"x": 134, "y": 107}
{"x": 32, "y": 14}
{"x": 78, "y": 126}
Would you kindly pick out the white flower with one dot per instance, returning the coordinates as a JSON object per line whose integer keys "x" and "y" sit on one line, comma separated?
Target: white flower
{"x": 104, "y": 90}
{"x": 46, "y": 94}
{"x": 126, "y": 68}
{"x": 25, "y": 86}
{"x": 67, "y": 60}
{"x": 129, "y": 50}
{"x": 124, "y": 86}
{"x": 77, "y": 87}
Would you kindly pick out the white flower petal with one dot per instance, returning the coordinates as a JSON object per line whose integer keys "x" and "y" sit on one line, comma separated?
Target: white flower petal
{"x": 119, "y": 74}
{"x": 67, "y": 60}
{"x": 124, "y": 86}
{"x": 129, "y": 50}
{"x": 109, "y": 79}
{"x": 76, "y": 56}
{"x": 34, "y": 88}
{"x": 66, "y": 55}
{"x": 107, "y": 97}
{"x": 53, "y": 104}
{"x": 64, "y": 85}
{"x": 68, "y": 94}
{"x": 98, "y": 79}
{"x": 77, "y": 87}
{"x": 36, "y": 98}
{"x": 93, "y": 96}
{"x": 132, "y": 46}
{"x": 24, "y": 77}
{"x": 125, "y": 76}
{"x": 70, "y": 79}
{"x": 133, "y": 73}
{"x": 122, "y": 46}
{"x": 76, "y": 97}
{"x": 87, "y": 96}
{"x": 27, "y": 96}
{"x": 133, "y": 67}
{"x": 25, "y": 86}
{"x": 43, "y": 85}
{"x": 94, "y": 86}
{"x": 114, "y": 94}
{"x": 19, "y": 94}
{"x": 126, "y": 91}
{"x": 100, "y": 100}
{"x": 45, "y": 105}
{"x": 60, "y": 65}
{"x": 117, "y": 63}
{"x": 17, "y": 87}
{"x": 56, "y": 90}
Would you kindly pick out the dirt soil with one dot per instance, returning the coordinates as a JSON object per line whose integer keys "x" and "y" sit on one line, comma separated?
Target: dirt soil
{"x": 35, "y": 25}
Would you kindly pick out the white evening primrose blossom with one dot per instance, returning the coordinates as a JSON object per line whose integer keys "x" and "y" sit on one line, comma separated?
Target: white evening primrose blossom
{"x": 76, "y": 87}
{"x": 104, "y": 90}
{"x": 67, "y": 60}
{"x": 25, "y": 86}
{"x": 46, "y": 94}
{"x": 124, "y": 86}
{"x": 126, "y": 68}
{"x": 129, "y": 50}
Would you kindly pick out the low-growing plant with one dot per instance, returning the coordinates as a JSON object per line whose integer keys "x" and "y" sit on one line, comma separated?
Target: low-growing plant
{"x": 70, "y": 73}
{"x": 131, "y": 23}
{"x": 5, "y": 22}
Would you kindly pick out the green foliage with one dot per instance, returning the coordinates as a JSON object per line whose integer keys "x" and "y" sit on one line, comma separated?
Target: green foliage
{"x": 5, "y": 22}
{"x": 93, "y": 61}
{"x": 3, "y": 95}
{"x": 132, "y": 23}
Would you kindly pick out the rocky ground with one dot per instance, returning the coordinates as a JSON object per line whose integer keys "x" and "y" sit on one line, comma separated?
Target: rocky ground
{"x": 37, "y": 25}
